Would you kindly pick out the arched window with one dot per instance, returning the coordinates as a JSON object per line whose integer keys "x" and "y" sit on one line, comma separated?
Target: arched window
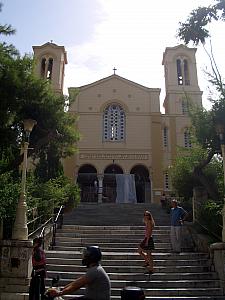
{"x": 43, "y": 63}
{"x": 165, "y": 137}
{"x": 186, "y": 73}
{"x": 184, "y": 107}
{"x": 179, "y": 72}
{"x": 114, "y": 123}
{"x": 46, "y": 68}
{"x": 49, "y": 71}
{"x": 182, "y": 72}
{"x": 187, "y": 139}
{"x": 166, "y": 181}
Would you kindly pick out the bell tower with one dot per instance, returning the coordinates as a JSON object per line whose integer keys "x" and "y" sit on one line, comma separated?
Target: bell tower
{"x": 181, "y": 81}
{"x": 50, "y": 64}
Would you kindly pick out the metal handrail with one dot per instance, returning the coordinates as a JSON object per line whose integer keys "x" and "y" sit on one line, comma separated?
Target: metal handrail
{"x": 35, "y": 219}
{"x": 57, "y": 224}
{"x": 58, "y": 214}
{"x": 53, "y": 224}
{"x": 211, "y": 233}
{"x": 39, "y": 228}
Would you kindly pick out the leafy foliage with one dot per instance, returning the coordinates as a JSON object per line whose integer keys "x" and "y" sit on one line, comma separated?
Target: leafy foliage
{"x": 9, "y": 191}
{"x": 205, "y": 123}
{"x": 210, "y": 216}
{"x": 182, "y": 172}
{"x": 45, "y": 197}
{"x": 25, "y": 96}
{"x": 51, "y": 194}
{"x": 195, "y": 27}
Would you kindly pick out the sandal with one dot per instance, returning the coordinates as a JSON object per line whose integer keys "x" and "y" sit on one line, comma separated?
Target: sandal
{"x": 148, "y": 272}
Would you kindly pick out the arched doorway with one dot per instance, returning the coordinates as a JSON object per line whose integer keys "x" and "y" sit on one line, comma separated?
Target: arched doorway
{"x": 109, "y": 183}
{"x": 88, "y": 183}
{"x": 142, "y": 183}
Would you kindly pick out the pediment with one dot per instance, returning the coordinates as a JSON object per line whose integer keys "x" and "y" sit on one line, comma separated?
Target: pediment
{"x": 113, "y": 78}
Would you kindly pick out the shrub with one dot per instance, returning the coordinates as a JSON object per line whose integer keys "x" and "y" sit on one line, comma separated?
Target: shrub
{"x": 211, "y": 217}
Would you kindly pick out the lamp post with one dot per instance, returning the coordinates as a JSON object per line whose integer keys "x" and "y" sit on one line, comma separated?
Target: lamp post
{"x": 20, "y": 230}
{"x": 220, "y": 129}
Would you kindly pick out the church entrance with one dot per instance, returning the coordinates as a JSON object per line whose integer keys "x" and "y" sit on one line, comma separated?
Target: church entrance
{"x": 116, "y": 187}
{"x": 88, "y": 183}
{"x": 109, "y": 183}
{"x": 142, "y": 183}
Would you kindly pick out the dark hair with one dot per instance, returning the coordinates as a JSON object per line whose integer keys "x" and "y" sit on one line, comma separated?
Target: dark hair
{"x": 37, "y": 240}
{"x": 91, "y": 254}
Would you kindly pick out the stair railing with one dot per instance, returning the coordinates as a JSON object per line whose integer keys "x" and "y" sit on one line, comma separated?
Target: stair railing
{"x": 57, "y": 223}
{"x": 47, "y": 231}
{"x": 219, "y": 238}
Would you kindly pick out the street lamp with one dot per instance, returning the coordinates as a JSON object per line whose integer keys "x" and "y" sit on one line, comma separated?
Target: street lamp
{"x": 220, "y": 129}
{"x": 20, "y": 230}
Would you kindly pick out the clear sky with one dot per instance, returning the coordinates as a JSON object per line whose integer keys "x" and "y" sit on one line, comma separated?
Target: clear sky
{"x": 99, "y": 35}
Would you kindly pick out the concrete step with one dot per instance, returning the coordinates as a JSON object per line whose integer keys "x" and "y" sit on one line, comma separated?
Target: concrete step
{"x": 107, "y": 249}
{"x": 133, "y": 235}
{"x": 155, "y": 283}
{"x": 118, "y": 229}
{"x": 132, "y": 242}
{"x": 68, "y": 230}
{"x": 169, "y": 291}
{"x": 120, "y": 241}
{"x": 166, "y": 298}
{"x": 115, "y": 214}
{"x": 172, "y": 262}
{"x": 129, "y": 256}
{"x": 75, "y": 227}
{"x": 136, "y": 277}
{"x": 133, "y": 269}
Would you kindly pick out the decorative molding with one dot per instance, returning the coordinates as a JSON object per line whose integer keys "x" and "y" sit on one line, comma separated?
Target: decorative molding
{"x": 117, "y": 156}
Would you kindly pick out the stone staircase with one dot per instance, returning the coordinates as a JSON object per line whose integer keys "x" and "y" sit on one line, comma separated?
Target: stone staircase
{"x": 118, "y": 229}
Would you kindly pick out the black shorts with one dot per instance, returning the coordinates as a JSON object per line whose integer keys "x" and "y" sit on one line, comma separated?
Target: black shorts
{"x": 150, "y": 246}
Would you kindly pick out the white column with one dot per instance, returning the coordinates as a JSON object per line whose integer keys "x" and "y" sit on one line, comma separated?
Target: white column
{"x": 100, "y": 188}
{"x": 223, "y": 210}
{"x": 20, "y": 230}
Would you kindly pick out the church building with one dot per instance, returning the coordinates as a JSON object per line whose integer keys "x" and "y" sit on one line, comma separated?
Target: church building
{"x": 127, "y": 144}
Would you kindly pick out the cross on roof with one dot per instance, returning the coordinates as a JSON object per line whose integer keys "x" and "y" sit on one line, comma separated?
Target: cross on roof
{"x": 114, "y": 70}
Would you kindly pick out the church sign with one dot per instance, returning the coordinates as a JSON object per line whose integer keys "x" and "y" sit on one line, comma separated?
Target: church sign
{"x": 117, "y": 156}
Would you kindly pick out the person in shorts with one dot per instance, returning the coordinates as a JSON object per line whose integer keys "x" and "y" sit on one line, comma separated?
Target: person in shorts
{"x": 147, "y": 245}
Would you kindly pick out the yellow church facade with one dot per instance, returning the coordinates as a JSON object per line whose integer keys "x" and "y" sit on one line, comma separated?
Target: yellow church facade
{"x": 127, "y": 144}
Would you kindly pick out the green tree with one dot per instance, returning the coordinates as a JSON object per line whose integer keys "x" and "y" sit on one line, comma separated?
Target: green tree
{"x": 184, "y": 176}
{"x": 195, "y": 30}
{"x": 25, "y": 96}
{"x": 54, "y": 137}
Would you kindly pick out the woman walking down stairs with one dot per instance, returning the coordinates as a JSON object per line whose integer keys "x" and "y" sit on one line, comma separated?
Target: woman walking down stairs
{"x": 117, "y": 230}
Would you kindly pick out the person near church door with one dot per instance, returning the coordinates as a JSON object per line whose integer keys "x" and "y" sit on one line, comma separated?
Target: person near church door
{"x": 147, "y": 245}
{"x": 163, "y": 200}
{"x": 177, "y": 217}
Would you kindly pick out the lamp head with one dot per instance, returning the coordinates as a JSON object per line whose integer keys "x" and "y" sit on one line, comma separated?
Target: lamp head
{"x": 28, "y": 125}
{"x": 220, "y": 130}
